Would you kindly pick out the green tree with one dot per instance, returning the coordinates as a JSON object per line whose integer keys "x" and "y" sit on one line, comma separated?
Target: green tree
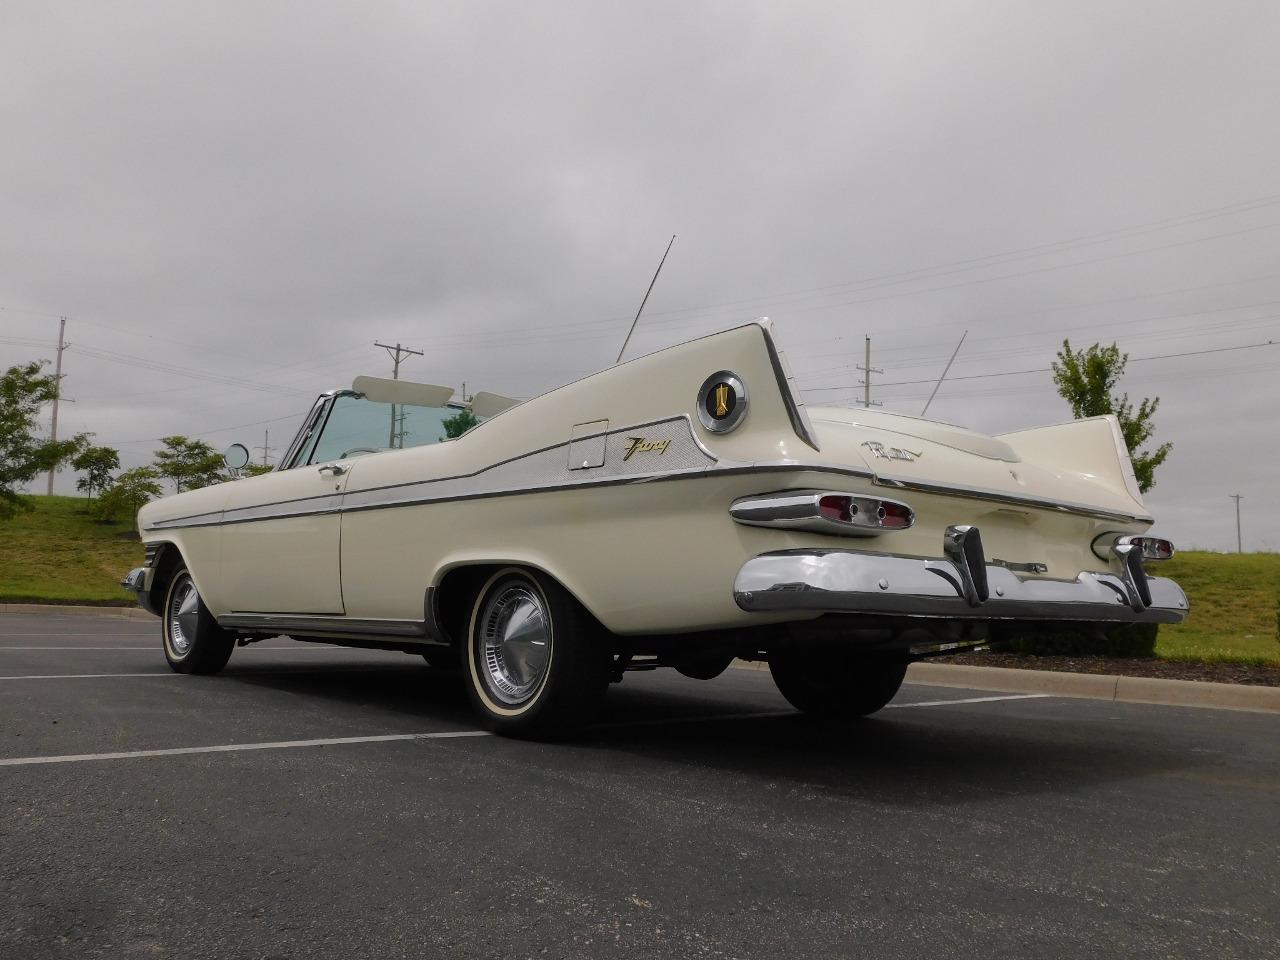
{"x": 189, "y": 464}
{"x": 256, "y": 469}
{"x": 24, "y": 455}
{"x": 1087, "y": 379}
{"x": 96, "y": 463}
{"x": 457, "y": 425}
{"x": 129, "y": 493}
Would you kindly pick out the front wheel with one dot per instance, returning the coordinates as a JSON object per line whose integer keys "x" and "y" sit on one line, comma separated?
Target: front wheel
{"x": 836, "y": 688}
{"x": 193, "y": 641}
{"x": 536, "y": 661}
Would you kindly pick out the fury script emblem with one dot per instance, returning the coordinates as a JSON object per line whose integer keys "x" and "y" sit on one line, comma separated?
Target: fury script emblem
{"x": 641, "y": 445}
{"x": 880, "y": 451}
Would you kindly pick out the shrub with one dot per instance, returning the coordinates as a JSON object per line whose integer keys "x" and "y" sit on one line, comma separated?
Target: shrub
{"x": 1123, "y": 640}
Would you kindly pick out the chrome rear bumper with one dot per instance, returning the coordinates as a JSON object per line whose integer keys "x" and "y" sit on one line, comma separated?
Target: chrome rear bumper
{"x": 822, "y": 581}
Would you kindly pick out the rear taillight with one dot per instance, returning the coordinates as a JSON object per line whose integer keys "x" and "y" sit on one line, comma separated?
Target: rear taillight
{"x": 823, "y": 511}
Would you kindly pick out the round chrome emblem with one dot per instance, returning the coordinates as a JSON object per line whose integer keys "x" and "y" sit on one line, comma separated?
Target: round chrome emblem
{"x": 722, "y": 402}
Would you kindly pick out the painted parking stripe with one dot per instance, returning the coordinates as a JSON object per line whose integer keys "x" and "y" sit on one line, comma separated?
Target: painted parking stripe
{"x": 240, "y": 747}
{"x": 309, "y": 648}
{"x": 948, "y": 703}
{"x": 88, "y": 676}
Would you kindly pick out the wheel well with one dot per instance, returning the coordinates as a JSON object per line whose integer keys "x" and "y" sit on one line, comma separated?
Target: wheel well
{"x": 454, "y": 595}
{"x": 167, "y": 563}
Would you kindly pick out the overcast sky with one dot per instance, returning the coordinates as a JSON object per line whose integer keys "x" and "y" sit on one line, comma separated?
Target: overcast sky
{"x": 232, "y": 201}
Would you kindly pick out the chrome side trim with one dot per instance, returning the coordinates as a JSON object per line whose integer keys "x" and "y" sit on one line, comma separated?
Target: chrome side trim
{"x": 306, "y": 506}
{"x": 822, "y": 581}
{"x": 519, "y": 474}
{"x": 1003, "y": 496}
{"x": 305, "y": 623}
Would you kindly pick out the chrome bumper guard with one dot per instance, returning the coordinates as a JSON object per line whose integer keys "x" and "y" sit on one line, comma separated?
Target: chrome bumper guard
{"x": 821, "y": 581}
{"x": 138, "y": 581}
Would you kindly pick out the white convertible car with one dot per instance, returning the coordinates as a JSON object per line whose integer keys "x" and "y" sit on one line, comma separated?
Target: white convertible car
{"x": 681, "y": 510}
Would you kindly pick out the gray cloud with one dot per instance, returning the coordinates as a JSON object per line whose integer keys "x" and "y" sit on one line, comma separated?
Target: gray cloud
{"x": 243, "y": 194}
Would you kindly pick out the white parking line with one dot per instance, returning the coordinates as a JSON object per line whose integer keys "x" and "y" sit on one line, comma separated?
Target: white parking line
{"x": 948, "y": 703}
{"x": 388, "y": 738}
{"x": 309, "y": 648}
{"x": 89, "y": 676}
{"x": 238, "y": 747}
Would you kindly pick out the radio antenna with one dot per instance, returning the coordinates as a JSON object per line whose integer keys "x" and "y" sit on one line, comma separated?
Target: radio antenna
{"x": 645, "y": 300}
{"x": 945, "y": 371}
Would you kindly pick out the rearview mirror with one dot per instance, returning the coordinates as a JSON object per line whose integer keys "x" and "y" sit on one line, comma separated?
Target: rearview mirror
{"x": 236, "y": 457}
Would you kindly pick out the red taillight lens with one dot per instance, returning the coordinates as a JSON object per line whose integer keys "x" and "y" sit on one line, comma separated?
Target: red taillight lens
{"x": 837, "y": 508}
{"x": 1153, "y": 548}
{"x": 895, "y": 516}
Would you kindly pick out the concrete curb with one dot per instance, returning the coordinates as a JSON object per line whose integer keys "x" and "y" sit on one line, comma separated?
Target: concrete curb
{"x": 70, "y": 610}
{"x": 1091, "y": 686}
{"x": 1176, "y": 693}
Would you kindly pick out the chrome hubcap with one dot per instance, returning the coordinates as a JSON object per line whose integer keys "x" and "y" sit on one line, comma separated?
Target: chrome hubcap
{"x": 514, "y": 644}
{"x": 183, "y": 612}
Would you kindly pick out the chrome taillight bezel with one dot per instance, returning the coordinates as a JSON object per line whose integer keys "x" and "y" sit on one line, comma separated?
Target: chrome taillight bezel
{"x": 805, "y": 510}
{"x": 1152, "y": 549}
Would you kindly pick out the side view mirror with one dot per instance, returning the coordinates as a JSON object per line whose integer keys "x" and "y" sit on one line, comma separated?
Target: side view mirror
{"x": 236, "y": 457}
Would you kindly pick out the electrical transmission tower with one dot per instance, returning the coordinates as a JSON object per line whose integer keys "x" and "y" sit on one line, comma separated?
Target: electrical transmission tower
{"x": 865, "y": 383}
{"x": 57, "y": 392}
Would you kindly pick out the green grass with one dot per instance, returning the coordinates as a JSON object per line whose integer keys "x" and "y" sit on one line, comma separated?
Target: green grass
{"x": 58, "y": 553}
{"x": 1233, "y": 608}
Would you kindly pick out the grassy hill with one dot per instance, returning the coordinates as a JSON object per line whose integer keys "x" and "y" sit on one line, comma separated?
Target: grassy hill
{"x": 59, "y": 554}
{"x": 1234, "y": 598}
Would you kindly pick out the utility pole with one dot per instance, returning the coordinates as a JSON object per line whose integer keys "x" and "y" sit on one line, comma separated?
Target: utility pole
{"x": 57, "y": 392}
{"x": 398, "y": 353}
{"x": 266, "y": 447}
{"x": 868, "y": 370}
{"x": 1239, "y": 539}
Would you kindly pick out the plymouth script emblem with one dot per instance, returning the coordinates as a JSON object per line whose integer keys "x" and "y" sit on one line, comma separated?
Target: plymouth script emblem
{"x": 880, "y": 451}
{"x": 641, "y": 445}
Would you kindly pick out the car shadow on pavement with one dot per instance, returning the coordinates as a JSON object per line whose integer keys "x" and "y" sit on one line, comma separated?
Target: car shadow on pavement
{"x": 921, "y": 756}
{"x": 900, "y": 756}
{"x": 406, "y": 689}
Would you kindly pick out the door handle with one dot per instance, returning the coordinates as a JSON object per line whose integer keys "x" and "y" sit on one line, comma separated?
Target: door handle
{"x": 336, "y": 469}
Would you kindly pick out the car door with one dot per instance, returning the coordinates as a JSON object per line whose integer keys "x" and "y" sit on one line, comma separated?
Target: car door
{"x": 280, "y": 541}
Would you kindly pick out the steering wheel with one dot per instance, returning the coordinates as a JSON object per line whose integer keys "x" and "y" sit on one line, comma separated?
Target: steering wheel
{"x": 347, "y": 453}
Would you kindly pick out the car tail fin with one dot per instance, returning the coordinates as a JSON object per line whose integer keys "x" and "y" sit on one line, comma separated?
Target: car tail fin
{"x": 1093, "y": 447}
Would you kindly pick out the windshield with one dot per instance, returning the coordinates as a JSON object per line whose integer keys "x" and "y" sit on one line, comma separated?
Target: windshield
{"x": 356, "y": 425}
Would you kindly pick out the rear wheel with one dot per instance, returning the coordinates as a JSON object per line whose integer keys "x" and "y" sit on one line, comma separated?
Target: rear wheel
{"x": 193, "y": 641}
{"x": 537, "y": 663}
{"x": 836, "y": 688}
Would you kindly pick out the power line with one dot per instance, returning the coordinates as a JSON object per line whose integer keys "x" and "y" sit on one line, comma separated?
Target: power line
{"x": 1014, "y": 373}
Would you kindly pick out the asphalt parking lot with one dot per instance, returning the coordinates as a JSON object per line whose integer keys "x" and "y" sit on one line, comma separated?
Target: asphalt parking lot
{"x": 318, "y": 802}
